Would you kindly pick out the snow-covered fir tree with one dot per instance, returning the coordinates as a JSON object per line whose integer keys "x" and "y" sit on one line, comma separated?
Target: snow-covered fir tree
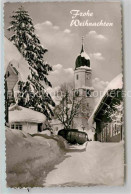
{"x": 116, "y": 115}
{"x": 32, "y": 93}
{"x": 114, "y": 110}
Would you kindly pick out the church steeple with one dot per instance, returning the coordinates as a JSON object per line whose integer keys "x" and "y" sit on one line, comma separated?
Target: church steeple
{"x": 82, "y": 49}
{"x": 83, "y": 59}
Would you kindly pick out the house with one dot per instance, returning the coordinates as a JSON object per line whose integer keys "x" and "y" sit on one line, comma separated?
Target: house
{"x": 104, "y": 117}
{"x": 11, "y": 79}
{"x": 15, "y": 72}
{"x": 16, "y": 69}
{"x": 25, "y": 119}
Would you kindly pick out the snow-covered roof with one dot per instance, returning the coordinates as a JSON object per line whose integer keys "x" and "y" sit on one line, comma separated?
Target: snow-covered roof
{"x": 10, "y": 52}
{"x": 22, "y": 68}
{"x": 22, "y": 114}
{"x": 84, "y": 67}
{"x": 85, "y": 55}
{"x": 13, "y": 56}
{"x": 116, "y": 83}
{"x": 82, "y": 59}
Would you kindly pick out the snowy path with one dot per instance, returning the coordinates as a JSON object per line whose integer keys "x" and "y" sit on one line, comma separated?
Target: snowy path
{"x": 101, "y": 163}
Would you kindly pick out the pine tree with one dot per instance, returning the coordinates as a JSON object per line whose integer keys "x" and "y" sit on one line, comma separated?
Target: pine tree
{"x": 114, "y": 110}
{"x": 28, "y": 44}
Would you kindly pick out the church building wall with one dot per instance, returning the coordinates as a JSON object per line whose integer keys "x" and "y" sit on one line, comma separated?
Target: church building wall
{"x": 82, "y": 78}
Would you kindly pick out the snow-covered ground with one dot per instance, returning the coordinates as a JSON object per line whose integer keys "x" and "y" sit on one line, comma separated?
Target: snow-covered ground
{"x": 100, "y": 164}
{"x": 29, "y": 159}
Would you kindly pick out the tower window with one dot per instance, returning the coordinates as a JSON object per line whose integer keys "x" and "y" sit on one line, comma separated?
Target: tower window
{"x": 77, "y": 77}
{"x": 88, "y": 93}
{"x": 76, "y": 93}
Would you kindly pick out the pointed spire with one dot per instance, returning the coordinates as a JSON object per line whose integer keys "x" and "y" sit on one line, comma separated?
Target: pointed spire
{"x": 82, "y": 49}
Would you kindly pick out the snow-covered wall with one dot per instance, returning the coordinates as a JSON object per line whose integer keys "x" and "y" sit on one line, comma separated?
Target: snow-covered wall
{"x": 27, "y": 127}
{"x": 30, "y": 128}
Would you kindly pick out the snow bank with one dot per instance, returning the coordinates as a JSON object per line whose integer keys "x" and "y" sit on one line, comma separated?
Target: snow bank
{"x": 46, "y": 132}
{"x": 106, "y": 163}
{"x": 29, "y": 158}
{"x": 90, "y": 134}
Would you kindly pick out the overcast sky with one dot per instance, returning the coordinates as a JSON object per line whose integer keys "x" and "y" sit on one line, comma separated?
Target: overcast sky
{"x": 52, "y": 23}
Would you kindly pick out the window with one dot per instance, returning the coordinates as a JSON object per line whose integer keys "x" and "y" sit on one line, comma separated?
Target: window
{"x": 118, "y": 128}
{"x": 20, "y": 127}
{"x": 111, "y": 130}
{"x": 12, "y": 126}
{"x": 16, "y": 126}
{"x": 9, "y": 93}
{"x": 77, "y": 76}
{"x": 88, "y": 77}
{"x": 77, "y": 93}
{"x": 7, "y": 74}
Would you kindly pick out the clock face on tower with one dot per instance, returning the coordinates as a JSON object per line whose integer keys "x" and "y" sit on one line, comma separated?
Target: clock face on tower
{"x": 88, "y": 93}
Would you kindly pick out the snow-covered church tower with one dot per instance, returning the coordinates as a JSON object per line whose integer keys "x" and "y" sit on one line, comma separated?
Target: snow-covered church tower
{"x": 83, "y": 89}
